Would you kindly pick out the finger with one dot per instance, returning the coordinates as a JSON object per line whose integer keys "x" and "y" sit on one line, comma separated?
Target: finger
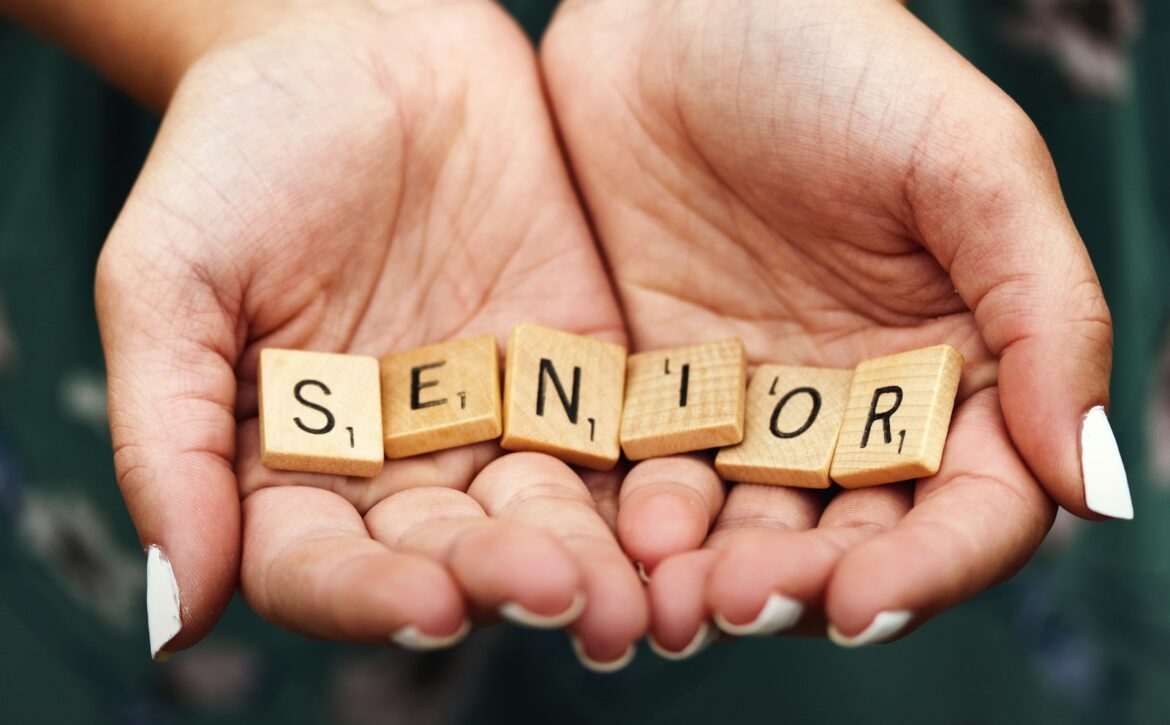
{"x": 170, "y": 345}
{"x": 666, "y": 506}
{"x": 540, "y": 491}
{"x": 678, "y": 597}
{"x": 974, "y": 523}
{"x": 986, "y": 200}
{"x": 771, "y": 579}
{"x": 310, "y": 565}
{"x": 520, "y": 572}
{"x": 452, "y": 468}
{"x": 679, "y": 626}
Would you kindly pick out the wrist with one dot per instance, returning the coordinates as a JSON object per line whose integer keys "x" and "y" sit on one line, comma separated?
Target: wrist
{"x": 143, "y": 47}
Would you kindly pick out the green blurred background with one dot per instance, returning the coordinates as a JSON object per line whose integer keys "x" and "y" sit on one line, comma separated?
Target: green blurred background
{"x": 1082, "y": 635}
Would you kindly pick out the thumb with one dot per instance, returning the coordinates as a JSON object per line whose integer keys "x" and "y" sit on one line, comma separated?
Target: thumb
{"x": 170, "y": 348}
{"x": 987, "y": 202}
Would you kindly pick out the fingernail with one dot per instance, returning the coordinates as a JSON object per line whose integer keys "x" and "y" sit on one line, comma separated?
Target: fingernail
{"x": 883, "y": 627}
{"x": 163, "y": 619}
{"x": 642, "y": 574}
{"x": 779, "y": 613}
{"x": 412, "y": 638}
{"x": 701, "y": 641}
{"x": 1106, "y": 485}
{"x": 513, "y": 612}
{"x": 601, "y": 667}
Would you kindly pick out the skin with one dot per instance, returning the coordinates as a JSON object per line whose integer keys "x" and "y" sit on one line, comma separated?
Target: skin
{"x": 865, "y": 191}
{"x": 826, "y": 180}
{"x": 348, "y": 179}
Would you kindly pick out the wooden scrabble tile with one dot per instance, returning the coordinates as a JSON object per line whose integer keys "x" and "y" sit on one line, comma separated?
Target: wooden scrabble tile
{"x": 441, "y": 396}
{"x": 684, "y": 399}
{"x": 563, "y": 396}
{"x": 897, "y": 417}
{"x": 320, "y": 413}
{"x": 790, "y": 429}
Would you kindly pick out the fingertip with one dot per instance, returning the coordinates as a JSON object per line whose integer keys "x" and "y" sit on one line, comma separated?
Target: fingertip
{"x": 1053, "y": 387}
{"x": 675, "y": 594}
{"x": 605, "y": 665}
{"x": 705, "y": 636}
{"x": 1103, "y": 470}
{"x": 413, "y": 638}
{"x": 876, "y": 578}
{"x": 522, "y": 572}
{"x": 884, "y": 627}
{"x": 779, "y": 613}
{"x": 1045, "y": 426}
{"x": 667, "y": 506}
{"x": 760, "y": 583}
{"x": 661, "y": 521}
{"x": 163, "y": 613}
{"x": 192, "y": 557}
{"x": 522, "y": 615}
{"x": 617, "y": 613}
{"x": 422, "y": 591}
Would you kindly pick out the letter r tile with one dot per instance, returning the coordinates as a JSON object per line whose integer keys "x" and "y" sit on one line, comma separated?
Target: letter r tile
{"x": 563, "y": 396}
{"x": 897, "y": 417}
{"x": 320, "y": 413}
{"x": 441, "y": 396}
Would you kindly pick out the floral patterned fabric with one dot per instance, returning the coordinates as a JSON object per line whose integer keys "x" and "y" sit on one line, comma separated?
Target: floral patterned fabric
{"x": 1083, "y": 634}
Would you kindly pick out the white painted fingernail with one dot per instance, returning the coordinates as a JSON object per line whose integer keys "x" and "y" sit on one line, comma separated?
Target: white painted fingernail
{"x": 642, "y": 574}
{"x": 701, "y": 641}
{"x": 412, "y": 638}
{"x": 883, "y": 627}
{"x": 778, "y": 614}
{"x": 602, "y": 667}
{"x": 1106, "y": 485}
{"x": 163, "y": 619}
{"x": 513, "y": 612}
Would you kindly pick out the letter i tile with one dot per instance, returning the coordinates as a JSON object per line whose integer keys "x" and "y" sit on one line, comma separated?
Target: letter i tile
{"x": 684, "y": 399}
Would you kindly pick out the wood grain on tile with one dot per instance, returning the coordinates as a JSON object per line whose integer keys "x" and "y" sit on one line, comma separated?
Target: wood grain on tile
{"x": 897, "y": 417}
{"x": 441, "y": 396}
{"x": 790, "y": 430}
{"x": 320, "y": 412}
{"x": 563, "y": 396}
{"x": 684, "y": 399}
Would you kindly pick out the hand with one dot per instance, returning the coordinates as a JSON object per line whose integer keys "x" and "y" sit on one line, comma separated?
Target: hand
{"x": 354, "y": 177}
{"x": 831, "y": 182}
